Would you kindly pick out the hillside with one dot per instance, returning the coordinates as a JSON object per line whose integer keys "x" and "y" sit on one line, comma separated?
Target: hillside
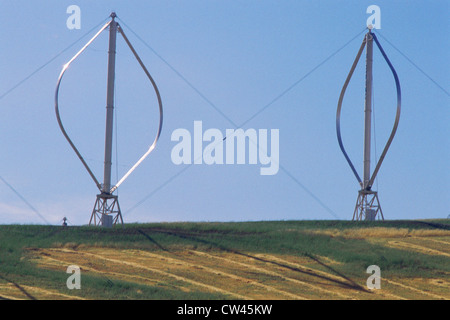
{"x": 287, "y": 260}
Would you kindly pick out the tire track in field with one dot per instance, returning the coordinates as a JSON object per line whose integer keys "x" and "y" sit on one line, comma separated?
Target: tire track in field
{"x": 36, "y": 290}
{"x": 440, "y": 282}
{"x": 167, "y": 274}
{"x": 328, "y": 275}
{"x": 272, "y": 273}
{"x": 415, "y": 289}
{"x": 419, "y": 248}
{"x": 6, "y": 297}
{"x": 434, "y": 240}
{"x": 3, "y": 297}
{"x": 51, "y": 292}
{"x": 86, "y": 268}
{"x": 323, "y": 274}
{"x": 226, "y": 274}
{"x": 9, "y": 287}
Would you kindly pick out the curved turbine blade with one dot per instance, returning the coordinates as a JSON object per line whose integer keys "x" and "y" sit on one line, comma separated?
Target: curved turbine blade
{"x": 58, "y": 117}
{"x": 338, "y": 112}
{"x": 397, "y": 116}
{"x": 153, "y": 145}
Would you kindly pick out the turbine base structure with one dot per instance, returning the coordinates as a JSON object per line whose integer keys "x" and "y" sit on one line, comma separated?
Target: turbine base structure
{"x": 367, "y": 206}
{"x": 106, "y": 211}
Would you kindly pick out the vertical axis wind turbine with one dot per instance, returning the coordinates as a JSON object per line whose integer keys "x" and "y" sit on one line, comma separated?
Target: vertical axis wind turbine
{"x": 367, "y": 205}
{"x": 106, "y": 210}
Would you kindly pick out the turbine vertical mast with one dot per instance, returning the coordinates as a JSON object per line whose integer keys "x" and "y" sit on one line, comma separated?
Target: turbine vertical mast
{"x": 106, "y": 188}
{"x": 368, "y": 110}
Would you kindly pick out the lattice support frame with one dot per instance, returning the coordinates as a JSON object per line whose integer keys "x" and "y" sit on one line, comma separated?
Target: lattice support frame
{"x": 106, "y": 205}
{"x": 367, "y": 206}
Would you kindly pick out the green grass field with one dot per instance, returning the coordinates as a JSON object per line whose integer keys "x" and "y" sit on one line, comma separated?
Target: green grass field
{"x": 245, "y": 260}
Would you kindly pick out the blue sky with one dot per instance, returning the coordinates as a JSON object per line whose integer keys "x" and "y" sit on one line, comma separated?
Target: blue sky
{"x": 240, "y": 55}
